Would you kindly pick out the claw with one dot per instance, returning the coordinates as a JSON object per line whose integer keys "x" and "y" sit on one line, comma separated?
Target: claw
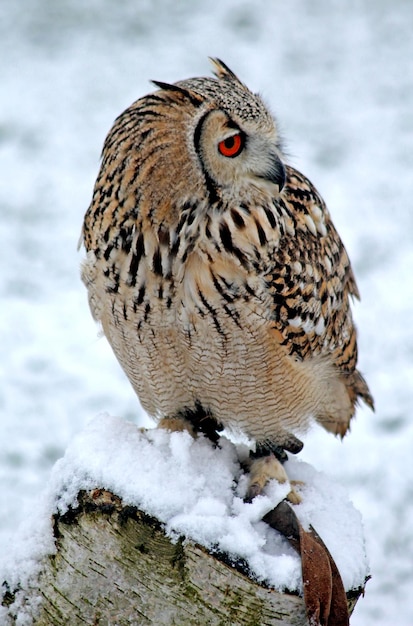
{"x": 252, "y": 492}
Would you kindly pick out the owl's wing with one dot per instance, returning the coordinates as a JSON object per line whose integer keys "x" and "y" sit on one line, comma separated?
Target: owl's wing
{"x": 310, "y": 280}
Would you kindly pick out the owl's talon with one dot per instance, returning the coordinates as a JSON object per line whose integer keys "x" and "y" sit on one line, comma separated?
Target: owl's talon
{"x": 262, "y": 470}
{"x": 252, "y": 492}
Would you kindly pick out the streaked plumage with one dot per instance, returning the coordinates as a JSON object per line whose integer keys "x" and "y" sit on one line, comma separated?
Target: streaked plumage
{"x": 221, "y": 296}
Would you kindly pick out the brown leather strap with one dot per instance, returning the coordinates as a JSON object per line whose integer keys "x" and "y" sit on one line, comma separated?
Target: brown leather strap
{"x": 324, "y": 594}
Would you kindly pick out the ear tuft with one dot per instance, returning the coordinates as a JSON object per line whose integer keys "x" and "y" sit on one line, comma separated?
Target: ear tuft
{"x": 187, "y": 93}
{"x": 222, "y": 71}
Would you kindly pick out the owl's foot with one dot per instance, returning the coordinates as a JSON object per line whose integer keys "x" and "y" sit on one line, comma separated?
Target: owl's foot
{"x": 177, "y": 425}
{"x": 194, "y": 420}
{"x": 262, "y": 470}
{"x": 267, "y": 463}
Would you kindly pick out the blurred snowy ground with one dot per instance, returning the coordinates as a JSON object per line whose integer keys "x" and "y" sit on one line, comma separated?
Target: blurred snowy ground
{"x": 339, "y": 78}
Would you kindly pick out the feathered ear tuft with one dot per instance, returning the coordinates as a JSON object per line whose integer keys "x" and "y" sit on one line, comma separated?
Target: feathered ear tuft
{"x": 187, "y": 93}
{"x": 222, "y": 71}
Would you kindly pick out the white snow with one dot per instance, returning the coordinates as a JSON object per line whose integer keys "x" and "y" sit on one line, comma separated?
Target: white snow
{"x": 196, "y": 489}
{"x": 338, "y": 77}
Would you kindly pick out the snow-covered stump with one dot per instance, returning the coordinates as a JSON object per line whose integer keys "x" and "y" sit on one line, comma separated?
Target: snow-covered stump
{"x": 176, "y": 544}
{"x": 115, "y": 565}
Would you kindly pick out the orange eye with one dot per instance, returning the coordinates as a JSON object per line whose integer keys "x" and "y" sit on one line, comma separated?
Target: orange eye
{"x": 231, "y": 146}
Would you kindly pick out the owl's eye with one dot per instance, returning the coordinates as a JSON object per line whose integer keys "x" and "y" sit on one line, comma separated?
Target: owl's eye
{"x": 231, "y": 146}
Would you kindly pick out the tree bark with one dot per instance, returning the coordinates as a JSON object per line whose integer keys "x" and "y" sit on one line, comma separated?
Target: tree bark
{"x": 115, "y": 566}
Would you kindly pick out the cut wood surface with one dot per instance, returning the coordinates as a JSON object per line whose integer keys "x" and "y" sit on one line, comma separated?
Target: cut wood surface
{"x": 115, "y": 566}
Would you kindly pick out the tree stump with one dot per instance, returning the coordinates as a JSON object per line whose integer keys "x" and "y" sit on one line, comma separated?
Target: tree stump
{"x": 114, "y": 566}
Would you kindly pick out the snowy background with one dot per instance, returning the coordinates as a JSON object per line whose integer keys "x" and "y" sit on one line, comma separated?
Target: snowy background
{"x": 339, "y": 77}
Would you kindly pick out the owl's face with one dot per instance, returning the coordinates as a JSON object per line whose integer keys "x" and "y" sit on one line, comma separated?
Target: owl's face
{"x": 235, "y": 137}
{"x": 235, "y": 152}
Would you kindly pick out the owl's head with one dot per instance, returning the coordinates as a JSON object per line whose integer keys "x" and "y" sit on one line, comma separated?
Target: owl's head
{"x": 200, "y": 141}
{"x": 232, "y": 133}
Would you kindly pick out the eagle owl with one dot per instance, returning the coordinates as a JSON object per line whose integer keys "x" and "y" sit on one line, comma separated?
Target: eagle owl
{"x": 217, "y": 274}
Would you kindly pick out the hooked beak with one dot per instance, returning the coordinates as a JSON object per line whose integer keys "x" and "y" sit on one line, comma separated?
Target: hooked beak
{"x": 276, "y": 173}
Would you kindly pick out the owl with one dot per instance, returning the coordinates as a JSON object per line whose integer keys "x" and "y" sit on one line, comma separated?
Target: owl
{"x": 217, "y": 275}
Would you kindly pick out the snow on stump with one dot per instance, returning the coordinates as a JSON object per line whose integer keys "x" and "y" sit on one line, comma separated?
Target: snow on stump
{"x": 151, "y": 528}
